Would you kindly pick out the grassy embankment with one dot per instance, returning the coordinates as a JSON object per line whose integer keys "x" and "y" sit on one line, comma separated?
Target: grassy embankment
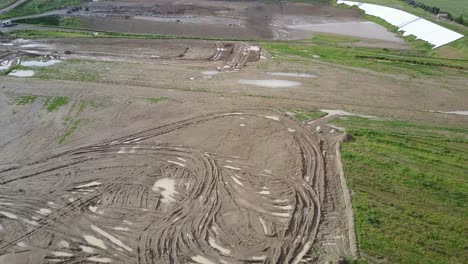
{"x": 341, "y": 51}
{"x": 409, "y": 190}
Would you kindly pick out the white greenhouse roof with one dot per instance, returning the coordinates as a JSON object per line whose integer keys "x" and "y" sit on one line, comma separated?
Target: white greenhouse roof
{"x": 410, "y": 24}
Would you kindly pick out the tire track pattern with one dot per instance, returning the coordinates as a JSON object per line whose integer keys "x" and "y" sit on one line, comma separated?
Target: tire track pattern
{"x": 130, "y": 200}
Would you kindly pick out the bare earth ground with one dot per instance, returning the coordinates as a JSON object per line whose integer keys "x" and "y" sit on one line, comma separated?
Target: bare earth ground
{"x": 241, "y": 20}
{"x": 187, "y": 151}
{"x": 185, "y": 180}
{"x": 218, "y": 172}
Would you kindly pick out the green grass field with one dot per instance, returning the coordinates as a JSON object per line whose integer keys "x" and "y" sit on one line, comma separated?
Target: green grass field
{"x": 32, "y": 7}
{"x": 55, "y": 21}
{"x": 54, "y": 103}
{"x": 455, "y": 7}
{"x": 5, "y": 3}
{"x": 409, "y": 190}
{"x": 339, "y": 50}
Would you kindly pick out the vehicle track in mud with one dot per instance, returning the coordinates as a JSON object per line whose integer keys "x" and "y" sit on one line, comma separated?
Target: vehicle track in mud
{"x": 130, "y": 200}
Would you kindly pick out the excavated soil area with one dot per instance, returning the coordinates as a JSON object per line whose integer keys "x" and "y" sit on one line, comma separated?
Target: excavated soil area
{"x": 162, "y": 151}
{"x": 189, "y": 179}
{"x": 172, "y": 194}
{"x": 230, "y": 19}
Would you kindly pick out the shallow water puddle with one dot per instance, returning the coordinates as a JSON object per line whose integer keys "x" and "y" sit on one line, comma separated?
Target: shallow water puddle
{"x": 271, "y": 83}
{"x": 40, "y": 63}
{"x": 167, "y": 188}
{"x": 210, "y": 73}
{"x": 61, "y": 254}
{"x": 111, "y": 238}
{"x": 100, "y": 260}
{"x": 292, "y": 74}
{"x": 34, "y": 45}
{"x": 90, "y": 184}
{"x": 5, "y": 65}
{"x": 22, "y": 73}
{"x": 44, "y": 211}
{"x": 94, "y": 241}
{"x": 215, "y": 245}
{"x": 87, "y": 249}
{"x": 202, "y": 260}
{"x": 465, "y": 113}
{"x": 8, "y": 215}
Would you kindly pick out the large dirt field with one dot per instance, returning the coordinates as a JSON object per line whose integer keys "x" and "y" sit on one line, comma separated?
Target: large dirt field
{"x": 215, "y": 172}
{"x": 183, "y": 180}
{"x": 121, "y": 150}
{"x": 231, "y": 19}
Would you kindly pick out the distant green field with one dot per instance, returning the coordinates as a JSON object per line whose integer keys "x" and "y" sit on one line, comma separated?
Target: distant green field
{"x": 5, "y": 3}
{"x": 337, "y": 49}
{"x": 455, "y": 7}
{"x": 32, "y": 7}
{"x": 55, "y": 20}
{"x": 409, "y": 190}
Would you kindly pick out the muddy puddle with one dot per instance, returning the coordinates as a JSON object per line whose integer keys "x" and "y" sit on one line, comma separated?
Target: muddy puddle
{"x": 271, "y": 83}
{"x": 22, "y": 73}
{"x": 33, "y": 63}
{"x": 464, "y": 113}
{"x": 292, "y": 74}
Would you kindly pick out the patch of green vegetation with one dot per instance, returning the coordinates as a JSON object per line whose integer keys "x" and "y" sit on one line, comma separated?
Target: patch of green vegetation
{"x": 73, "y": 69}
{"x": 416, "y": 44}
{"x": 455, "y": 50}
{"x": 53, "y": 103}
{"x": 308, "y": 115}
{"x": 32, "y": 34}
{"x": 409, "y": 190}
{"x": 155, "y": 100}
{"x": 455, "y": 7}
{"x": 55, "y": 21}
{"x": 340, "y": 52}
{"x": 32, "y": 7}
{"x": 46, "y": 20}
{"x": 27, "y": 99}
{"x": 70, "y": 130}
{"x": 81, "y": 107}
{"x": 5, "y": 3}
{"x": 70, "y": 115}
{"x": 73, "y": 22}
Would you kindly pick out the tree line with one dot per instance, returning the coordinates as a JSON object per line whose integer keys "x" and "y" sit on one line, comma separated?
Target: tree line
{"x": 436, "y": 10}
